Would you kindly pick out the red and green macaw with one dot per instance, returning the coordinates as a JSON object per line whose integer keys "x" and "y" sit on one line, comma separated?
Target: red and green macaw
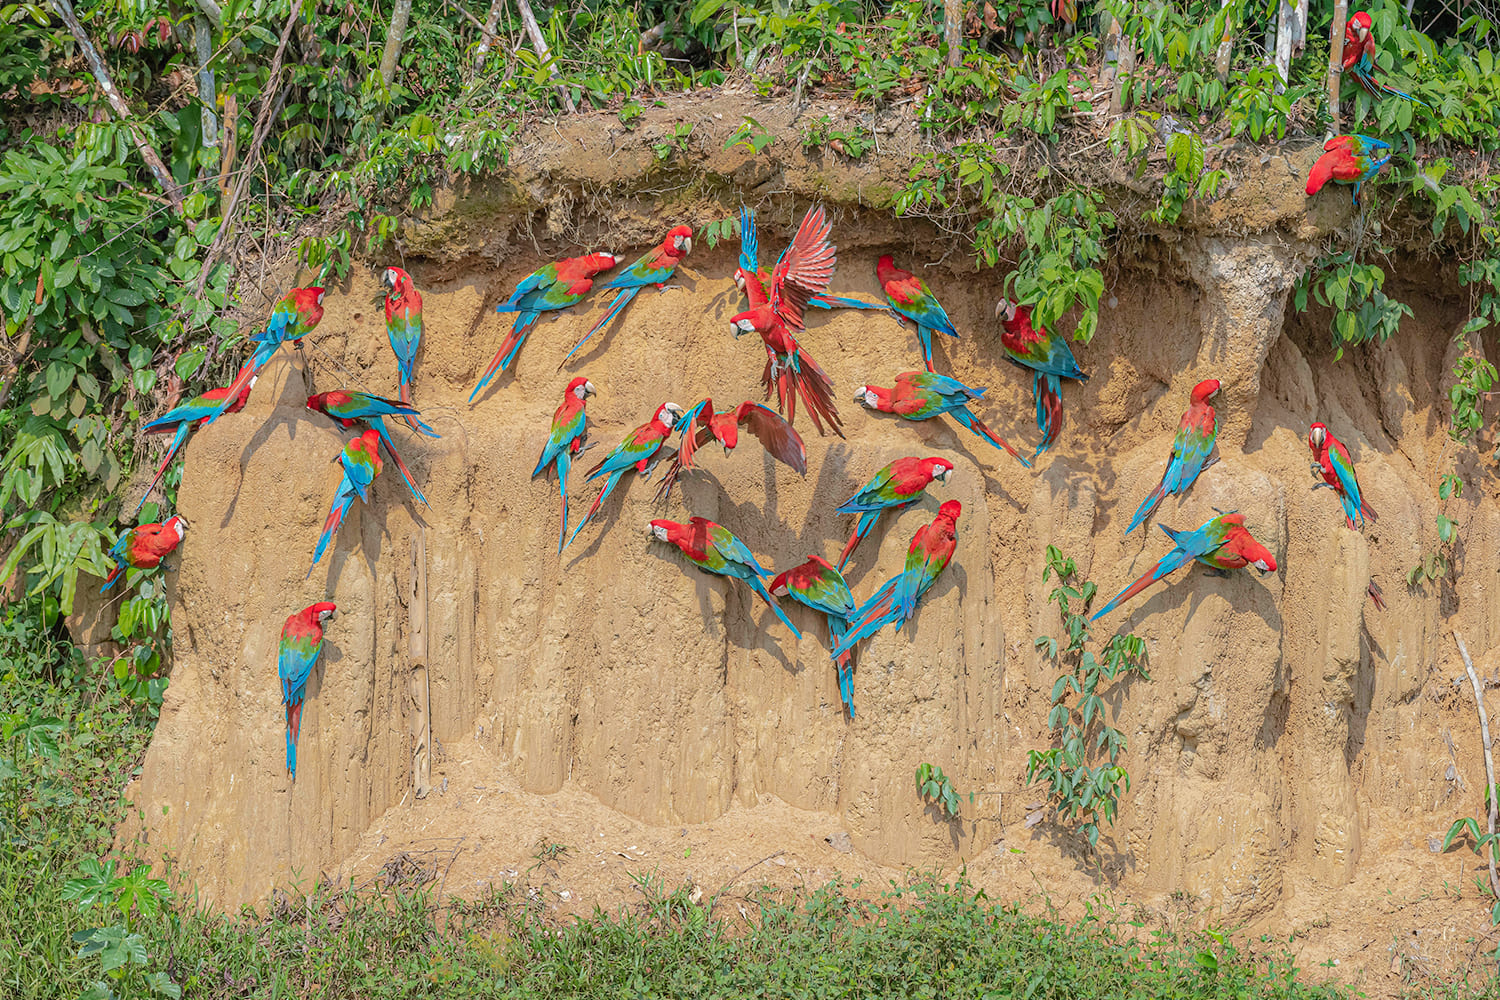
{"x": 802, "y": 271}
{"x": 655, "y": 268}
{"x": 1348, "y": 159}
{"x": 1359, "y": 59}
{"x": 713, "y": 548}
{"x": 145, "y": 546}
{"x": 348, "y": 409}
{"x": 301, "y": 642}
{"x": 638, "y": 451}
{"x": 1048, "y": 355}
{"x": 292, "y": 319}
{"x": 930, "y": 552}
{"x": 361, "y": 461}
{"x": 749, "y": 269}
{"x": 703, "y": 424}
{"x": 913, "y": 300}
{"x": 556, "y": 286}
{"x": 565, "y": 441}
{"x": 1192, "y": 451}
{"x": 927, "y": 396}
{"x": 819, "y": 585}
{"x": 403, "y": 325}
{"x": 1331, "y": 461}
{"x": 183, "y": 419}
{"x": 895, "y": 488}
{"x": 1222, "y": 543}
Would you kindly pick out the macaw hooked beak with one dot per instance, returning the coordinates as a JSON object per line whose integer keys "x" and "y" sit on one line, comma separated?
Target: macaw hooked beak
{"x": 727, "y": 450}
{"x": 687, "y": 244}
{"x": 734, "y": 328}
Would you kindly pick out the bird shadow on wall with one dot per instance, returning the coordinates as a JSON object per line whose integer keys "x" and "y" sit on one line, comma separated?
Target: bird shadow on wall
{"x": 609, "y": 513}
{"x": 377, "y": 513}
{"x": 284, "y": 414}
{"x": 756, "y": 634}
{"x": 601, "y": 339}
{"x": 1193, "y": 589}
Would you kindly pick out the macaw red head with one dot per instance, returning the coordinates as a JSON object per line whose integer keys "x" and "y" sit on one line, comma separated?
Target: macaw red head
{"x": 1317, "y": 438}
{"x": 1358, "y": 27}
{"x": 778, "y": 585}
{"x": 601, "y": 261}
{"x": 1205, "y": 390}
{"x": 885, "y": 268}
{"x": 951, "y": 509}
{"x": 679, "y": 242}
{"x": 319, "y": 401}
{"x": 176, "y": 524}
{"x": 668, "y": 414}
{"x": 322, "y": 611}
{"x": 938, "y": 468}
{"x": 580, "y": 387}
{"x": 309, "y": 303}
{"x": 395, "y": 281}
{"x": 662, "y": 529}
{"x": 745, "y": 322}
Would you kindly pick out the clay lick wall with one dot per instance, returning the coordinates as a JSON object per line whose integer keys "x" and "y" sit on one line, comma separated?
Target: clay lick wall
{"x": 1284, "y": 722}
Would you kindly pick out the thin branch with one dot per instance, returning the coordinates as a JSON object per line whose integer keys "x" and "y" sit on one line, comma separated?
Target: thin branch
{"x": 1489, "y": 759}
{"x": 169, "y": 186}
{"x": 1336, "y": 60}
{"x": 540, "y": 44}
{"x": 487, "y": 34}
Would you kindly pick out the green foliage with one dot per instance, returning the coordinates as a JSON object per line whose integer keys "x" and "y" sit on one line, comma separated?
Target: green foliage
{"x": 675, "y": 141}
{"x": 1361, "y": 311}
{"x": 1082, "y": 775}
{"x": 1435, "y": 565}
{"x": 722, "y": 229}
{"x": 935, "y": 787}
{"x": 853, "y": 143}
{"x": 1486, "y": 845}
{"x": 1473, "y": 378}
{"x": 751, "y": 135}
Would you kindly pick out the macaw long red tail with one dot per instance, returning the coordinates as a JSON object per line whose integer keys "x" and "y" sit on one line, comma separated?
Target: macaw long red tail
{"x": 1048, "y": 392}
{"x": 114, "y": 574}
{"x": 862, "y": 528}
{"x": 816, "y": 389}
{"x": 873, "y": 615}
{"x": 293, "y": 730}
{"x": 757, "y": 585}
{"x": 622, "y": 299}
{"x": 341, "y": 502}
{"x": 509, "y": 348}
{"x": 177, "y": 440}
{"x": 1165, "y": 566}
{"x": 390, "y": 449}
{"x": 976, "y": 425}
{"x": 668, "y": 480}
{"x": 1364, "y": 512}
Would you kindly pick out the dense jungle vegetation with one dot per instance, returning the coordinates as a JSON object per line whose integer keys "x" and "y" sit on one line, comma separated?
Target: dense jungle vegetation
{"x": 156, "y": 155}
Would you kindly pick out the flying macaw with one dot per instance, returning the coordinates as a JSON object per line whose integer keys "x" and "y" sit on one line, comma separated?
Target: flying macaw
{"x": 749, "y": 269}
{"x": 556, "y": 286}
{"x": 1348, "y": 159}
{"x": 301, "y": 641}
{"x": 655, "y": 268}
{"x": 361, "y": 461}
{"x": 1331, "y": 461}
{"x": 819, "y": 585}
{"x": 703, "y": 424}
{"x": 145, "y": 546}
{"x": 928, "y": 555}
{"x": 183, "y": 419}
{"x": 347, "y": 409}
{"x": 1192, "y": 451}
{"x": 927, "y": 396}
{"x": 1222, "y": 543}
{"x": 894, "y": 488}
{"x": 565, "y": 441}
{"x": 1045, "y": 353}
{"x": 1359, "y": 59}
{"x": 638, "y": 451}
{"x": 292, "y": 319}
{"x": 714, "y": 549}
{"x": 403, "y": 325}
{"x": 802, "y": 271}
{"x": 910, "y": 297}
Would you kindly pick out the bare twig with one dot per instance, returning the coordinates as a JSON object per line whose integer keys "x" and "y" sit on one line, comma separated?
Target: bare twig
{"x": 545, "y": 54}
{"x": 169, "y": 186}
{"x": 1336, "y": 60}
{"x": 1489, "y": 759}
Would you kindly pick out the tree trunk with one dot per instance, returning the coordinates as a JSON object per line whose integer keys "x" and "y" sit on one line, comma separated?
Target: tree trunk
{"x": 393, "y": 39}
{"x": 169, "y": 186}
{"x": 1336, "y": 61}
{"x": 487, "y": 35}
{"x": 1226, "y": 50}
{"x": 539, "y": 42}
{"x": 953, "y": 30}
{"x": 204, "y": 51}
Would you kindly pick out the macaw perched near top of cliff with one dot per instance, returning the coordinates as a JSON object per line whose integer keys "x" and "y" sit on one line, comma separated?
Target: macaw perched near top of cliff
{"x": 403, "y": 327}
{"x": 802, "y": 271}
{"x": 703, "y": 424}
{"x": 301, "y": 642}
{"x": 1222, "y": 543}
{"x": 895, "y": 488}
{"x": 1348, "y": 159}
{"x": 820, "y": 586}
{"x": 556, "y": 286}
{"x": 293, "y": 318}
{"x": 930, "y": 552}
{"x": 1359, "y": 58}
{"x": 927, "y": 396}
{"x": 655, "y": 268}
{"x": 183, "y": 419}
{"x": 1331, "y": 461}
{"x": 347, "y": 409}
{"x": 913, "y": 300}
{"x": 145, "y": 546}
{"x": 1045, "y": 353}
{"x": 361, "y": 462}
{"x": 565, "y": 441}
{"x": 713, "y": 548}
{"x": 1192, "y": 450}
{"x": 751, "y": 280}
{"x": 639, "y": 451}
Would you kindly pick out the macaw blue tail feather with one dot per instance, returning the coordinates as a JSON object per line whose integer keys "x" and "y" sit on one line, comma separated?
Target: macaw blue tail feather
{"x": 1048, "y": 392}
{"x": 183, "y": 430}
{"x": 390, "y": 449}
{"x": 757, "y": 585}
{"x": 609, "y": 485}
{"x": 1155, "y": 497}
{"x": 973, "y": 423}
{"x": 837, "y": 628}
{"x": 622, "y": 299}
{"x": 509, "y": 348}
{"x": 872, "y": 616}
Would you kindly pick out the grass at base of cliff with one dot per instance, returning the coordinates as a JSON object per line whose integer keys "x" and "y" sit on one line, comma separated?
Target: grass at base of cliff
{"x": 61, "y": 797}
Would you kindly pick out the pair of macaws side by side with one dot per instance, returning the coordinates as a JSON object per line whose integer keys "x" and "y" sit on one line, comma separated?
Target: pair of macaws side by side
{"x": 702, "y": 424}
{"x": 1222, "y": 543}
{"x": 894, "y": 488}
{"x": 655, "y": 268}
{"x": 713, "y": 548}
{"x": 1331, "y": 461}
{"x": 349, "y": 409}
{"x": 293, "y": 318}
{"x": 1358, "y": 59}
{"x": 145, "y": 546}
{"x": 1348, "y": 159}
{"x": 640, "y": 450}
{"x": 360, "y": 462}
{"x": 301, "y": 642}
{"x": 927, "y": 396}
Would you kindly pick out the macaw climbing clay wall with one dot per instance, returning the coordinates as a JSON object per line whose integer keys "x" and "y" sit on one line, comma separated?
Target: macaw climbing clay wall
{"x": 1289, "y": 744}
